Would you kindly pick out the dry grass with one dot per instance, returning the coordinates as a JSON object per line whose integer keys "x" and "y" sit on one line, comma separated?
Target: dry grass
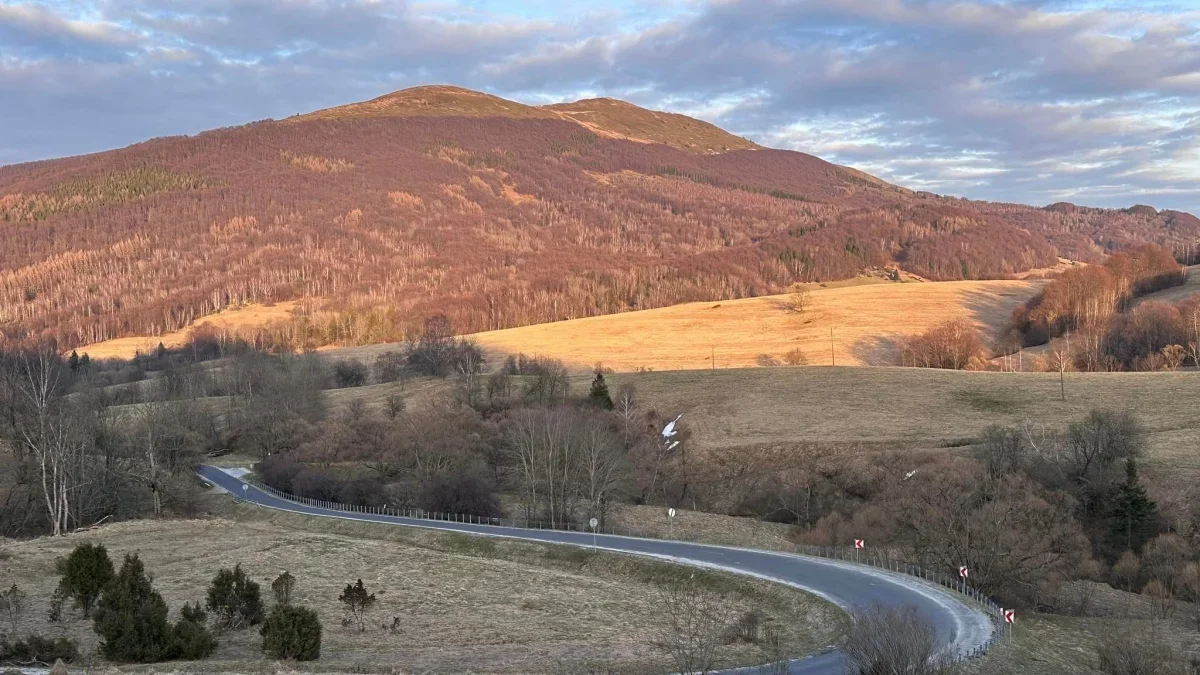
{"x": 866, "y": 319}
{"x": 1177, "y": 293}
{"x": 618, "y": 119}
{"x": 235, "y": 320}
{"x": 436, "y": 100}
{"x": 466, "y": 604}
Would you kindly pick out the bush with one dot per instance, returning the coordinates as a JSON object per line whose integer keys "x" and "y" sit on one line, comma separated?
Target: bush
{"x": 464, "y": 492}
{"x": 888, "y": 640}
{"x": 192, "y": 639}
{"x": 282, "y": 588}
{"x": 234, "y": 599}
{"x": 389, "y": 366}
{"x": 279, "y": 471}
{"x": 85, "y": 573}
{"x": 952, "y": 345}
{"x": 131, "y": 618}
{"x": 36, "y": 648}
{"x": 349, "y": 373}
{"x": 292, "y": 633}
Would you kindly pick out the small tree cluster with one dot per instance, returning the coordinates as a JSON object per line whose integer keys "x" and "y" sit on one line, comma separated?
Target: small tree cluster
{"x": 952, "y": 345}
{"x": 131, "y": 620}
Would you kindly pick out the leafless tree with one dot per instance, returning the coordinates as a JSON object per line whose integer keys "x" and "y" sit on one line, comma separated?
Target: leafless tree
{"x": 46, "y": 432}
{"x": 693, "y": 625}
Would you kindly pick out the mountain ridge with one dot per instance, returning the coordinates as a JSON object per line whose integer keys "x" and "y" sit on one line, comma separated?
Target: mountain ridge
{"x": 494, "y": 213}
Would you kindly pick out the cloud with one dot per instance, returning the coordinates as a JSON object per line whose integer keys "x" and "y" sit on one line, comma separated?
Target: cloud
{"x": 1030, "y": 101}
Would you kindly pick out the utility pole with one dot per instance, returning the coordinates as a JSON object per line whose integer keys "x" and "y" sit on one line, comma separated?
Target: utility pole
{"x": 832, "y": 355}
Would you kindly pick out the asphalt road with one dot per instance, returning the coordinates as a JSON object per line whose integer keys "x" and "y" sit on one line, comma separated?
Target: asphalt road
{"x": 961, "y": 626}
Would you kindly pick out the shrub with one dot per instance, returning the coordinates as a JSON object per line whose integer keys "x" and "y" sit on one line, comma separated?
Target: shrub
{"x": 131, "y": 618}
{"x": 234, "y": 599}
{"x": 952, "y": 345}
{"x": 279, "y": 471}
{"x": 12, "y": 604}
{"x": 282, "y": 588}
{"x": 893, "y": 640}
{"x": 349, "y": 373}
{"x": 85, "y": 573}
{"x": 292, "y": 633}
{"x": 389, "y": 366}
{"x": 192, "y": 639}
{"x": 463, "y": 492}
{"x": 36, "y": 648}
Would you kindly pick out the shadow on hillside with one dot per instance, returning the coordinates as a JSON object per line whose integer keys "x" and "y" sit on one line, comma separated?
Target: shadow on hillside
{"x": 991, "y": 311}
{"x": 876, "y": 351}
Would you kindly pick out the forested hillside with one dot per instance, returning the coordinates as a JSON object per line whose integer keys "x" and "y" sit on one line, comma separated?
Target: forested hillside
{"x": 439, "y": 200}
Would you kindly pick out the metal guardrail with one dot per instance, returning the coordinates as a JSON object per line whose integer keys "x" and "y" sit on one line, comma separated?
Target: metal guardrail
{"x": 882, "y": 561}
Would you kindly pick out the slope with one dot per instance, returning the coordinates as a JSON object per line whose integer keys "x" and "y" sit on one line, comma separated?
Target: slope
{"x": 618, "y": 119}
{"x": 865, "y": 321}
{"x": 442, "y": 200}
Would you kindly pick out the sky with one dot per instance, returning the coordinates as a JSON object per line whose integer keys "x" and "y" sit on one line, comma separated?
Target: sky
{"x": 1033, "y": 101}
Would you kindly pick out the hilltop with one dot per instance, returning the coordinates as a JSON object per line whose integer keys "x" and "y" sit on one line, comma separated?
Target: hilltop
{"x": 376, "y": 215}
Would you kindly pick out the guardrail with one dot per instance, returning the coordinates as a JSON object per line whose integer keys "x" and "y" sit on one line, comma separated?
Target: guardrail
{"x": 884, "y": 560}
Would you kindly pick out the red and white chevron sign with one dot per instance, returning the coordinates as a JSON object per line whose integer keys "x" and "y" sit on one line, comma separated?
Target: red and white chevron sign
{"x": 962, "y": 571}
{"x": 1009, "y": 615}
{"x": 858, "y": 543}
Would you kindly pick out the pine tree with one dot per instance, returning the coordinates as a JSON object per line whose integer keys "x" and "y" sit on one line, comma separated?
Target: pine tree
{"x": 73, "y": 361}
{"x": 131, "y": 618}
{"x": 1134, "y": 515}
{"x": 599, "y": 394}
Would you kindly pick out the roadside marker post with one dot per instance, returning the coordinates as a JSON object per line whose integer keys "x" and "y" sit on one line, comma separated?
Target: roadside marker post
{"x": 671, "y": 523}
{"x": 593, "y": 522}
{"x": 963, "y": 573}
{"x": 858, "y": 546}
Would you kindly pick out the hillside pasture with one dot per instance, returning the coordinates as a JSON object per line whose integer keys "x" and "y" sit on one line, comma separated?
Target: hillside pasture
{"x": 866, "y": 322}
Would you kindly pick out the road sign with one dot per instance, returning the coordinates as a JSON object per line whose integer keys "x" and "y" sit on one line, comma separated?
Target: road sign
{"x": 858, "y": 543}
{"x": 593, "y": 523}
{"x": 962, "y": 571}
{"x": 1010, "y": 616}
{"x": 671, "y": 513}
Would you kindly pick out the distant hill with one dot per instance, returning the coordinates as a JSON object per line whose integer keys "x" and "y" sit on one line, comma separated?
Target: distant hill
{"x": 432, "y": 200}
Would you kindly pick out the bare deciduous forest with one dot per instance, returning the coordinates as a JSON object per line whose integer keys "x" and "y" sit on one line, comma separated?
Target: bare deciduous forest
{"x": 378, "y": 222}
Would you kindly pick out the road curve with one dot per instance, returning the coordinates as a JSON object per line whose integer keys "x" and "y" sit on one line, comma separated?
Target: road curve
{"x": 961, "y": 626}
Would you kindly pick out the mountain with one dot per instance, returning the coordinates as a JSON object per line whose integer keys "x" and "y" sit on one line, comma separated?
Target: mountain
{"x": 375, "y": 215}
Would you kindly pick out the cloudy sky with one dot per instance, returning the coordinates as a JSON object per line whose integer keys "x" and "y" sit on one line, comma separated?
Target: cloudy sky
{"x": 1030, "y": 100}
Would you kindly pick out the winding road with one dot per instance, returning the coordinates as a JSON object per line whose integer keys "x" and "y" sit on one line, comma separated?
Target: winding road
{"x": 961, "y": 626}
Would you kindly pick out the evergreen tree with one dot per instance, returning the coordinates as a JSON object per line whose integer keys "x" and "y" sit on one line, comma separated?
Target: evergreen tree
{"x": 85, "y": 573}
{"x": 598, "y": 396}
{"x": 1134, "y": 516}
{"x": 73, "y": 361}
{"x": 192, "y": 639}
{"x": 234, "y": 599}
{"x": 131, "y": 618}
{"x": 292, "y": 633}
{"x": 85, "y": 362}
{"x": 357, "y": 602}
